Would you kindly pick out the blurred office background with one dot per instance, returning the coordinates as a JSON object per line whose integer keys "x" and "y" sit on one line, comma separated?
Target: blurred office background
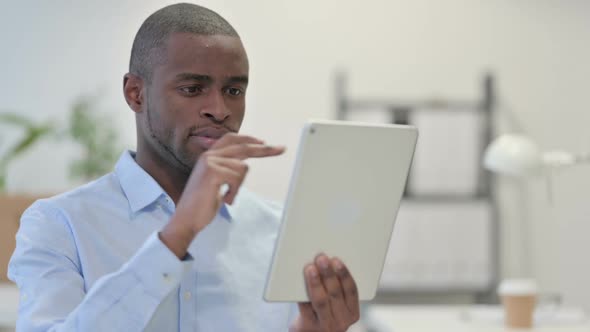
{"x": 538, "y": 52}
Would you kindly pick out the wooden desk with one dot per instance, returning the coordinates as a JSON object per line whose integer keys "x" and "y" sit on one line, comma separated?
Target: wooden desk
{"x": 383, "y": 318}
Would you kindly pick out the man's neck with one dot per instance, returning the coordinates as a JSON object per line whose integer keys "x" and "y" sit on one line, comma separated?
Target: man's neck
{"x": 171, "y": 179}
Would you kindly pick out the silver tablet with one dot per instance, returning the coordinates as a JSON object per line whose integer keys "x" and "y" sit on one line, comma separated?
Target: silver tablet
{"x": 343, "y": 199}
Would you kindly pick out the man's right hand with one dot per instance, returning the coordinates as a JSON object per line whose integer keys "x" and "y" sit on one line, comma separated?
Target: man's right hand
{"x": 222, "y": 164}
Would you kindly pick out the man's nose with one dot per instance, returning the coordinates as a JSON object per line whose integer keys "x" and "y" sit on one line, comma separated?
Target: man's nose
{"x": 215, "y": 109}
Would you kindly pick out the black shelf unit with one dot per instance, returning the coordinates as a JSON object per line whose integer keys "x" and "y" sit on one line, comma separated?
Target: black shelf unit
{"x": 400, "y": 111}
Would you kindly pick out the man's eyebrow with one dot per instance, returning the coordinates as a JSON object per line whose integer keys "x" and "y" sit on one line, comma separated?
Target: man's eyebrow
{"x": 194, "y": 77}
{"x": 208, "y": 79}
{"x": 238, "y": 79}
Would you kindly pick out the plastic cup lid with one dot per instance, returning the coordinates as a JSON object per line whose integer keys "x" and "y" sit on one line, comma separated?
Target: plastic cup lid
{"x": 517, "y": 287}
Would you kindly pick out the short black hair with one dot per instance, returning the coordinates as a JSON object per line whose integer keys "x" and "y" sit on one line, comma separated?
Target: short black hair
{"x": 148, "y": 45}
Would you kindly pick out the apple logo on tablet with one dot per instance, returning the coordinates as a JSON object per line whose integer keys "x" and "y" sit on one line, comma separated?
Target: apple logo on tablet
{"x": 344, "y": 212}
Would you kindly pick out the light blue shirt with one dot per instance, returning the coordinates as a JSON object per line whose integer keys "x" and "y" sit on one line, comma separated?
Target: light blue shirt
{"x": 91, "y": 260}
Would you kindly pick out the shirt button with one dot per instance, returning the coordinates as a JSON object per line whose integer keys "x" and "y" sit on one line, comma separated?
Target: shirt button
{"x": 187, "y": 295}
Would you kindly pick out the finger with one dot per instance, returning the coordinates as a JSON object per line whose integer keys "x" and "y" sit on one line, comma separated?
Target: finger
{"x": 240, "y": 168}
{"x": 237, "y": 165}
{"x": 233, "y": 138}
{"x": 225, "y": 175}
{"x": 349, "y": 287}
{"x": 249, "y": 150}
{"x": 318, "y": 297}
{"x": 334, "y": 289}
{"x": 307, "y": 313}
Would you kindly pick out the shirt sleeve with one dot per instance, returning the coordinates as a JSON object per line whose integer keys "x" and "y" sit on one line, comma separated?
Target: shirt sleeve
{"x": 46, "y": 269}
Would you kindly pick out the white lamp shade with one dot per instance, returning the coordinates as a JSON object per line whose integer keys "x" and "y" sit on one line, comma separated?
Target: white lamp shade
{"x": 514, "y": 155}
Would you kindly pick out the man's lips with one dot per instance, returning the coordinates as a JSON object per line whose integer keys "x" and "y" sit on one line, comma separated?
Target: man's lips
{"x": 208, "y": 136}
{"x": 205, "y": 142}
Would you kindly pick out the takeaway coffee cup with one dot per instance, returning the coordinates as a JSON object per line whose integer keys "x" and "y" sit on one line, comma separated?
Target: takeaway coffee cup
{"x": 519, "y": 297}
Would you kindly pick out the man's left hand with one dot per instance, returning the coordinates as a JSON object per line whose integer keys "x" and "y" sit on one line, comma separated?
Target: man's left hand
{"x": 334, "y": 302}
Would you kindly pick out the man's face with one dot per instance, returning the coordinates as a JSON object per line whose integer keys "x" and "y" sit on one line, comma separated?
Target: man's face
{"x": 196, "y": 95}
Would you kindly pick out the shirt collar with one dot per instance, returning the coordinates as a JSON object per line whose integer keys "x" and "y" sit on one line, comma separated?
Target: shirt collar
{"x": 140, "y": 188}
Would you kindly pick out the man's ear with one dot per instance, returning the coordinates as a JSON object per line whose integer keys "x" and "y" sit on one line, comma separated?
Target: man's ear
{"x": 133, "y": 91}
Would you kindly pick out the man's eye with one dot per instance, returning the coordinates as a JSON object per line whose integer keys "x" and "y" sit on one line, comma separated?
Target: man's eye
{"x": 234, "y": 92}
{"x": 191, "y": 90}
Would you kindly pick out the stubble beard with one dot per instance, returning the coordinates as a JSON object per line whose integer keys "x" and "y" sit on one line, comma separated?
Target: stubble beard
{"x": 166, "y": 150}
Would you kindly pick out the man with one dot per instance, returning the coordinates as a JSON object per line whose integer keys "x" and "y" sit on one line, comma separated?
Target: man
{"x": 154, "y": 245}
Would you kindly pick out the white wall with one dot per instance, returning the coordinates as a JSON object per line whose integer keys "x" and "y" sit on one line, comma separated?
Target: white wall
{"x": 539, "y": 50}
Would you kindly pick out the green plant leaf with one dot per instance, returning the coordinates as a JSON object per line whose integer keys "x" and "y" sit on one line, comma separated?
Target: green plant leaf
{"x": 15, "y": 119}
{"x": 95, "y": 134}
{"x": 32, "y": 135}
